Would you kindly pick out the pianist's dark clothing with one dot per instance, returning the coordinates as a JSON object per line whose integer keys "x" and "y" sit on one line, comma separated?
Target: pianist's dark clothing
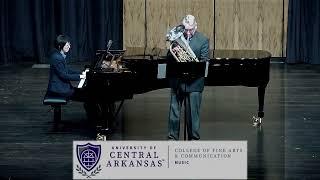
{"x": 59, "y": 85}
{"x": 189, "y": 90}
{"x": 60, "y": 76}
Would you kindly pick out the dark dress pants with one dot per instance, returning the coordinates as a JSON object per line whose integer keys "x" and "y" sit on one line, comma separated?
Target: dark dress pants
{"x": 193, "y": 102}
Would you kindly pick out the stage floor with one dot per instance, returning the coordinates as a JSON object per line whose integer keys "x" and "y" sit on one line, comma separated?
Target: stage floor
{"x": 287, "y": 146}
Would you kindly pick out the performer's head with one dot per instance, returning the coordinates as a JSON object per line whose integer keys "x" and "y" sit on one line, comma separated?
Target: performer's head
{"x": 62, "y": 43}
{"x": 190, "y": 25}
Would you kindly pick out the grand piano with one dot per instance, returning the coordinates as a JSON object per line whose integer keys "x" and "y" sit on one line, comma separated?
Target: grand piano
{"x": 143, "y": 70}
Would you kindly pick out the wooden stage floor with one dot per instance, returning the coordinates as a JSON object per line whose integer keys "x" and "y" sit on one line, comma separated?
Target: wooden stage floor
{"x": 286, "y": 147}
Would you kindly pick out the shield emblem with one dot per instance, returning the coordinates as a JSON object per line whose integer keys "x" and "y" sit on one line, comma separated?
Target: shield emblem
{"x": 88, "y": 155}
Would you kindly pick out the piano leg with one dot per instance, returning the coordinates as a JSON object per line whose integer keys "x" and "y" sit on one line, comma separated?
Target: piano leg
{"x": 109, "y": 113}
{"x": 261, "y": 93}
{"x": 106, "y": 119}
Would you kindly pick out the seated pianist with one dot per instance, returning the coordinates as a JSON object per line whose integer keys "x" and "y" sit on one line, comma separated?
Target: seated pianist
{"x": 60, "y": 76}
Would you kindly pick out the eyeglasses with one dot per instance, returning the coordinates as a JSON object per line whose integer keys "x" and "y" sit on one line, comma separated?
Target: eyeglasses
{"x": 189, "y": 30}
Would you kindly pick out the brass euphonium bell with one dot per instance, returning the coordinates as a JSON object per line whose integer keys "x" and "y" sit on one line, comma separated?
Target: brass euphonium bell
{"x": 179, "y": 47}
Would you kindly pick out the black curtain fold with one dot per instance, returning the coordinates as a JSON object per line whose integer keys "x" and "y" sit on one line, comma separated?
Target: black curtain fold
{"x": 29, "y": 27}
{"x": 39, "y": 30}
{"x": 5, "y": 47}
{"x": 303, "y": 42}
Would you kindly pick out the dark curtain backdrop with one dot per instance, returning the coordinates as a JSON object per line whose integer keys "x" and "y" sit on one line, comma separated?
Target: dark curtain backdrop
{"x": 29, "y": 27}
{"x": 303, "y": 44}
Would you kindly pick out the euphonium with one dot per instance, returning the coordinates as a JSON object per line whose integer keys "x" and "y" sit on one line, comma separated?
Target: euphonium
{"x": 179, "y": 47}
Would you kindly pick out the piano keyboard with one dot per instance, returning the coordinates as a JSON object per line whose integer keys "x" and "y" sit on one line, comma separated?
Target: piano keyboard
{"x": 82, "y": 81}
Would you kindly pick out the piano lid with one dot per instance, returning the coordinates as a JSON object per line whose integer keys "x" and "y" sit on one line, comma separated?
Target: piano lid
{"x": 239, "y": 54}
{"x": 140, "y": 53}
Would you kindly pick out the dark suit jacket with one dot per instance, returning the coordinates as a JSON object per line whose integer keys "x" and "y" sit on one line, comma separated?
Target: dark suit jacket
{"x": 200, "y": 46}
{"x": 60, "y": 76}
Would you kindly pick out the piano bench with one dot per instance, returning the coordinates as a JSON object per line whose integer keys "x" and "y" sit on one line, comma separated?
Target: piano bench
{"x": 55, "y": 103}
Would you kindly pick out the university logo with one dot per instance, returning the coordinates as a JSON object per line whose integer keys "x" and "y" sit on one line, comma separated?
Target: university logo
{"x": 88, "y": 156}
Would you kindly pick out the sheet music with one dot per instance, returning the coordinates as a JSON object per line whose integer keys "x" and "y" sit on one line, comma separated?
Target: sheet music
{"x": 207, "y": 68}
{"x": 162, "y": 69}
